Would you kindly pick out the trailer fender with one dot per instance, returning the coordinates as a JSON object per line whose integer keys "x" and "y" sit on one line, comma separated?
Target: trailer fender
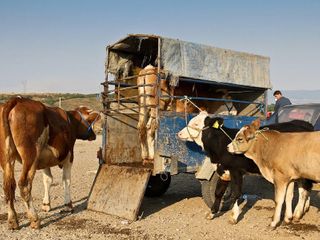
{"x": 207, "y": 169}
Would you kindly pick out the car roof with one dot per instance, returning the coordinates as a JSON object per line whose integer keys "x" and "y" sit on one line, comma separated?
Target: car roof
{"x": 306, "y": 105}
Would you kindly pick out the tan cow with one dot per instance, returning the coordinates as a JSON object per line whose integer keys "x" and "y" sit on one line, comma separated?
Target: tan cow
{"x": 281, "y": 158}
{"x": 147, "y": 108}
{"x": 39, "y": 137}
{"x": 148, "y": 102}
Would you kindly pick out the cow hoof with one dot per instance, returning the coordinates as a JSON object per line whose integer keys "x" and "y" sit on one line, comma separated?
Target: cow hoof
{"x": 13, "y": 224}
{"x": 67, "y": 208}
{"x": 273, "y": 225}
{"x": 233, "y": 221}
{"x": 296, "y": 219}
{"x": 287, "y": 220}
{"x": 210, "y": 216}
{"x": 46, "y": 207}
{"x": 35, "y": 224}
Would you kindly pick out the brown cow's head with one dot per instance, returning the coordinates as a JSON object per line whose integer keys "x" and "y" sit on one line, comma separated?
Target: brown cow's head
{"x": 90, "y": 123}
{"x": 244, "y": 138}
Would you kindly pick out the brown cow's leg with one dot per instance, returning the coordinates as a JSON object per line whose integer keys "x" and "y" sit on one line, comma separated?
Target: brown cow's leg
{"x": 280, "y": 187}
{"x": 9, "y": 187}
{"x": 25, "y": 185}
{"x": 289, "y": 197}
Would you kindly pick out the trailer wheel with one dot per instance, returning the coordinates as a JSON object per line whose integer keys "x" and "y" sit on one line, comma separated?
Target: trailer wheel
{"x": 208, "y": 189}
{"x": 158, "y": 185}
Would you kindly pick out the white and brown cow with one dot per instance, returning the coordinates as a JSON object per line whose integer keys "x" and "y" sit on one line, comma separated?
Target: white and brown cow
{"x": 148, "y": 102}
{"x": 39, "y": 137}
{"x": 281, "y": 158}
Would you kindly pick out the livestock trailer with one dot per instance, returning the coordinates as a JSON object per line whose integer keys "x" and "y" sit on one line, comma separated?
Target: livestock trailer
{"x": 195, "y": 72}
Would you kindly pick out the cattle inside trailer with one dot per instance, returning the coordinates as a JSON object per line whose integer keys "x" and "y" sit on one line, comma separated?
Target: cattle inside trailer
{"x": 225, "y": 82}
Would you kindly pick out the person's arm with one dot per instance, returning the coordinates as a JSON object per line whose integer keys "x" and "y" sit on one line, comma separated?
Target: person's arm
{"x": 276, "y": 107}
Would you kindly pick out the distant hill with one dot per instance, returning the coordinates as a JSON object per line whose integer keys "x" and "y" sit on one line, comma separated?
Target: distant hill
{"x": 69, "y": 101}
{"x": 298, "y": 96}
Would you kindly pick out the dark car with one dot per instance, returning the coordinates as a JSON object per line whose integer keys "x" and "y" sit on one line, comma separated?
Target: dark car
{"x": 307, "y": 112}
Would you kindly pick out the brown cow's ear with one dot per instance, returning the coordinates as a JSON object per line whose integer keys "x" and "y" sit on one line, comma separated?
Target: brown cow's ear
{"x": 249, "y": 133}
{"x": 256, "y": 124}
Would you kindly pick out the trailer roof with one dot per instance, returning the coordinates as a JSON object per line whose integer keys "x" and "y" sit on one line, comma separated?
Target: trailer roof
{"x": 198, "y": 61}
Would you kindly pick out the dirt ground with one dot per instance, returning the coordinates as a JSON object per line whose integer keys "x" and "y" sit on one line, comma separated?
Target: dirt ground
{"x": 178, "y": 214}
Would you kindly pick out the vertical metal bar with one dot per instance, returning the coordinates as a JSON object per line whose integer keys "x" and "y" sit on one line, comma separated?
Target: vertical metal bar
{"x": 105, "y": 108}
{"x": 158, "y": 93}
{"x": 118, "y": 95}
{"x": 106, "y": 85}
{"x": 158, "y": 85}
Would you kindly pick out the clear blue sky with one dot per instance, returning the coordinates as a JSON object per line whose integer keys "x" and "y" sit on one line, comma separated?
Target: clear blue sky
{"x": 59, "y": 46}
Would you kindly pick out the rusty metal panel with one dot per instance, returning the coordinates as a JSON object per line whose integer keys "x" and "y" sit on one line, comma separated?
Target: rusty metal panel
{"x": 189, "y": 155}
{"x": 119, "y": 190}
{"x": 199, "y": 61}
{"x": 122, "y": 145}
{"x": 193, "y": 60}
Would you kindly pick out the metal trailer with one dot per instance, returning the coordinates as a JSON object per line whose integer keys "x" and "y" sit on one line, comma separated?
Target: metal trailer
{"x": 122, "y": 179}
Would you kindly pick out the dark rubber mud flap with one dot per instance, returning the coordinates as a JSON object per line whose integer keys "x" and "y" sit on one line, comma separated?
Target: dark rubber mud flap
{"x": 119, "y": 190}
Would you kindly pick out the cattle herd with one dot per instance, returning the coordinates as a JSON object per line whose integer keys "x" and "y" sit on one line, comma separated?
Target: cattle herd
{"x": 40, "y": 137}
{"x": 283, "y": 153}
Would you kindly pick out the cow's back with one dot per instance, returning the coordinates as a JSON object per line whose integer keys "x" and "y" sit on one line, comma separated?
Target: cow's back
{"x": 296, "y": 154}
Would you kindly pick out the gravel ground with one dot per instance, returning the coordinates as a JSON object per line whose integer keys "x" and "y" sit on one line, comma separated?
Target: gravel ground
{"x": 178, "y": 214}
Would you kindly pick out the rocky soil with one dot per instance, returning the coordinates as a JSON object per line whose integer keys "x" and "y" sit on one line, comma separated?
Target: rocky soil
{"x": 178, "y": 214}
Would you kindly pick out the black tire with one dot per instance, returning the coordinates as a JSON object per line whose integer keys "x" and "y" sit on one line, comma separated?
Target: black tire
{"x": 208, "y": 189}
{"x": 158, "y": 185}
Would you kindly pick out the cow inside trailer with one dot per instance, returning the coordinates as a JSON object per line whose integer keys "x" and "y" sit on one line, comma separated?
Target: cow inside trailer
{"x": 221, "y": 81}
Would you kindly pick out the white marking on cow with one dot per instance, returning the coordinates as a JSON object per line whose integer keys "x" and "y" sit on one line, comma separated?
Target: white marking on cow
{"x": 47, "y": 181}
{"x": 235, "y": 212}
{"x": 54, "y": 151}
{"x": 44, "y": 137}
{"x": 66, "y": 178}
{"x": 193, "y": 131}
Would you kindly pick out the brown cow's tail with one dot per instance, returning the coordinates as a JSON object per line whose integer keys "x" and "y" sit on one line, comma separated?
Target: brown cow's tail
{"x": 7, "y": 151}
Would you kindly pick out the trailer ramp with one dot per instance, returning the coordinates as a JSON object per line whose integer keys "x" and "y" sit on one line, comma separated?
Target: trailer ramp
{"x": 119, "y": 190}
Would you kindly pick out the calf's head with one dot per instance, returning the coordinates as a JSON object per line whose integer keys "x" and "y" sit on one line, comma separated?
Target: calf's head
{"x": 90, "y": 123}
{"x": 244, "y": 138}
{"x": 193, "y": 131}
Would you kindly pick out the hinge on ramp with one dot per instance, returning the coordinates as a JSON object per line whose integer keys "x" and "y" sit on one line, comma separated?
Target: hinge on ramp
{"x": 119, "y": 190}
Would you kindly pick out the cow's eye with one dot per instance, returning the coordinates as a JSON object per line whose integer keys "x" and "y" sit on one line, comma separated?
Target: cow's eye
{"x": 240, "y": 140}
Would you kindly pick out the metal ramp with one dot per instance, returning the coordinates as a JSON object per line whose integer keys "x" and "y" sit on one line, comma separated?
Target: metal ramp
{"x": 119, "y": 190}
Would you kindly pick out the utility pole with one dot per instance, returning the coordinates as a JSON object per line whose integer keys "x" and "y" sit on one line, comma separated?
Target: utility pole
{"x": 24, "y": 85}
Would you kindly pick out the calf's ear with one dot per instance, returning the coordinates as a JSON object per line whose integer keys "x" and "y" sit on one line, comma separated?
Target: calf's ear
{"x": 208, "y": 121}
{"x": 256, "y": 124}
{"x": 249, "y": 134}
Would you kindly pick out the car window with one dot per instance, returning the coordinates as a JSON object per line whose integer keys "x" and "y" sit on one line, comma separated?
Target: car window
{"x": 290, "y": 114}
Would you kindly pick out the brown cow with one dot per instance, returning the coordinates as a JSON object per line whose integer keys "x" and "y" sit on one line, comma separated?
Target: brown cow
{"x": 39, "y": 137}
{"x": 281, "y": 158}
